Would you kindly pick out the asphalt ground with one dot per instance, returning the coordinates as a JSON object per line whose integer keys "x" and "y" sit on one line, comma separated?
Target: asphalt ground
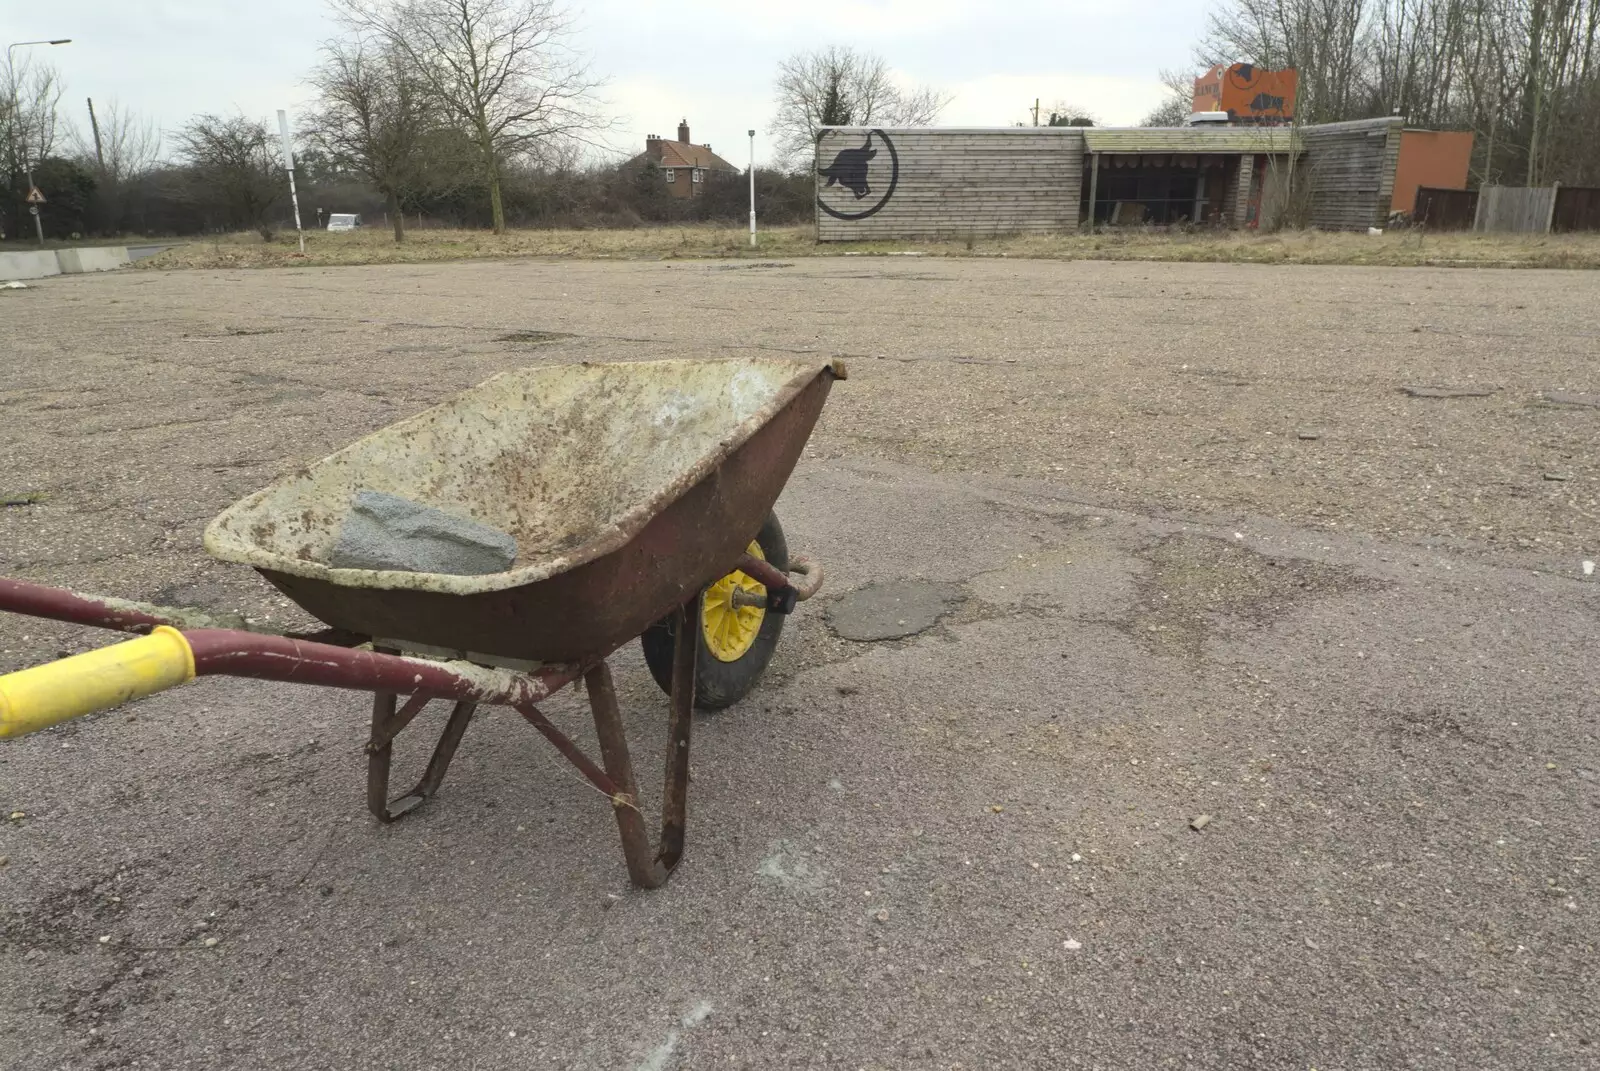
{"x": 1200, "y": 552}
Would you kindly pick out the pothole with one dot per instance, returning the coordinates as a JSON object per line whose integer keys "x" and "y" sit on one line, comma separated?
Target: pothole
{"x": 1424, "y": 391}
{"x": 1567, "y": 397}
{"x": 892, "y": 610}
{"x": 1196, "y": 583}
{"x": 534, "y": 338}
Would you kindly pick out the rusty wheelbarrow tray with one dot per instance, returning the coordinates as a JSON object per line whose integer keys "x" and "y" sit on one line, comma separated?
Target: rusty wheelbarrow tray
{"x": 629, "y": 488}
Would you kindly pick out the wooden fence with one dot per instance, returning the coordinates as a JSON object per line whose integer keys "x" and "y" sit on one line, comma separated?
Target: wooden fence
{"x": 1445, "y": 210}
{"x": 1577, "y": 209}
{"x": 1515, "y": 209}
{"x": 1537, "y": 209}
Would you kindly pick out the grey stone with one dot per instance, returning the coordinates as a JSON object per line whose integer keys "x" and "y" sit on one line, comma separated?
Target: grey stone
{"x": 893, "y": 610}
{"x": 385, "y": 531}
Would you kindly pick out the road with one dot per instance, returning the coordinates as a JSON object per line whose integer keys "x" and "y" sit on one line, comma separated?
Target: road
{"x": 1206, "y": 556}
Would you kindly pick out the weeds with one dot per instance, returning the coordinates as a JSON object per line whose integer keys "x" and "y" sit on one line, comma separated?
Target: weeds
{"x": 710, "y": 241}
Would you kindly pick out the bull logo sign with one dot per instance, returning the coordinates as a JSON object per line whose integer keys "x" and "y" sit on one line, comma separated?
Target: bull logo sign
{"x": 1250, "y": 95}
{"x": 856, "y": 173}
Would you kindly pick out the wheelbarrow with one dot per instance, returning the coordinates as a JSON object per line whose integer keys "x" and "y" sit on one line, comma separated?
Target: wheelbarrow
{"x": 640, "y": 498}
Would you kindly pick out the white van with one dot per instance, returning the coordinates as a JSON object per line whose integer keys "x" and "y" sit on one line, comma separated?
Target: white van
{"x": 344, "y": 221}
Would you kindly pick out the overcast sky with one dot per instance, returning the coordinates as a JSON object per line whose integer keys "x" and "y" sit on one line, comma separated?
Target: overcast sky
{"x": 710, "y": 61}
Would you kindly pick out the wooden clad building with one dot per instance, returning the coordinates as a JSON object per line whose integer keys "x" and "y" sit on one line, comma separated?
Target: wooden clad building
{"x": 940, "y": 183}
{"x": 1350, "y": 172}
{"x": 954, "y": 183}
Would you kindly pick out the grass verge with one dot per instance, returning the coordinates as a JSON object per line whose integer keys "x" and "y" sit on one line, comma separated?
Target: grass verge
{"x": 1393, "y": 249}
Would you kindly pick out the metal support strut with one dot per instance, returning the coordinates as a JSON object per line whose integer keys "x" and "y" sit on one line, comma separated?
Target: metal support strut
{"x": 386, "y": 725}
{"x": 646, "y": 869}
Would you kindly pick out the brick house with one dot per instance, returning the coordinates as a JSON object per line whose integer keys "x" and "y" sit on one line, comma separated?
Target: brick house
{"x": 683, "y": 164}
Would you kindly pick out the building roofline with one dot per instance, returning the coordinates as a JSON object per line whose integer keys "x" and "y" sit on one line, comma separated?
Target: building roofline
{"x": 1382, "y": 120}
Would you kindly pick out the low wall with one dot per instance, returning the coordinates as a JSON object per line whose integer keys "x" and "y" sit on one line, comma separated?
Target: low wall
{"x": 97, "y": 258}
{"x": 28, "y": 265}
{"x": 61, "y": 261}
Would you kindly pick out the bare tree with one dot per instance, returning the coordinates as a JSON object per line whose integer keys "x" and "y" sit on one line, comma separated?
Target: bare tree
{"x": 120, "y": 149}
{"x": 1322, "y": 39}
{"x": 34, "y": 89}
{"x": 234, "y": 172}
{"x": 1179, "y": 105}
{"x": 1523, "y": 74}
{"x": 371, "y": 118}
{"x": 127, "y": 145}
{"x": 838, "y": 86}
{"x": 1061, "y": 113}
{"x": 505, "y": 70}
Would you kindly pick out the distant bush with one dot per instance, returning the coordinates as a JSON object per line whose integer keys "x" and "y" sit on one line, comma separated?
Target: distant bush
{"x": 183, "y": 199}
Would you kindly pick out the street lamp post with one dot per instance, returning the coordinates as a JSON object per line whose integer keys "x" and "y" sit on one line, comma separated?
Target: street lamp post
{"x": 752, "y": 189}
{"x": 16, "y": 117}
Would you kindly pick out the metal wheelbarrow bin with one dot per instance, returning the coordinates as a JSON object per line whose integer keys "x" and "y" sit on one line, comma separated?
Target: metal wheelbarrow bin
{"x": 640, "y": 496}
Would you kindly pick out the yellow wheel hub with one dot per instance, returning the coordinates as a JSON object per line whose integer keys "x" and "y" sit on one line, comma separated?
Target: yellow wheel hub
{"x": 730, "y": 630}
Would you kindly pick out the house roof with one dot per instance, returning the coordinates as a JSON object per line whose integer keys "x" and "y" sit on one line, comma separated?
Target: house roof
{"x": 684, "y": 154}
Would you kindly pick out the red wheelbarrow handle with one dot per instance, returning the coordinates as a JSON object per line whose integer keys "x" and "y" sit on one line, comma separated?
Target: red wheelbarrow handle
{"x": 33, "y": 699}
{"x": 37, "y": 698}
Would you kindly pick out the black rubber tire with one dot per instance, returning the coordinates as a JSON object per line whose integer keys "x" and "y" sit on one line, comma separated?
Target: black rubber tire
{"x": 719, "y": 684}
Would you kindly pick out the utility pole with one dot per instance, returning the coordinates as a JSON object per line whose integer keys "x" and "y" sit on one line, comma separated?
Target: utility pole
{"x": 94, "y": 124}
{"x": 16, "y": 115}
{"x": 1035, "y": 111}
{"x": 752, "y": 189}
{"x": 288, "y": 165}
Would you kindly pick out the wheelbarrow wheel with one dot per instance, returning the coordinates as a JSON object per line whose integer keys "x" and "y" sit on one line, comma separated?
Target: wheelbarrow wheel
{"x": 736, "y": 642}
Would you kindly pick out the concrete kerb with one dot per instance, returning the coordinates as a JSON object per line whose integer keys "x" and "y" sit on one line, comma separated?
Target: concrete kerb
{"x": 98, "y": 258}
{"x": 28, "y": 265}
{"x": 49, "y": 262}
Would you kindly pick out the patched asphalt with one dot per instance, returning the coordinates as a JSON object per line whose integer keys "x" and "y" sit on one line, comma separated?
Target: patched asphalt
{"x": 1139, "y": 594}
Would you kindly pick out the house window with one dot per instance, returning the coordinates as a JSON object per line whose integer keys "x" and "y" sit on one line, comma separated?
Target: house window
{"x": 697, "y": 175}
{"x": 672, "y": 174}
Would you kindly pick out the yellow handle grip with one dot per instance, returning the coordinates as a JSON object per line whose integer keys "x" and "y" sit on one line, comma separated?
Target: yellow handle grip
{"x": 37, "y": 698}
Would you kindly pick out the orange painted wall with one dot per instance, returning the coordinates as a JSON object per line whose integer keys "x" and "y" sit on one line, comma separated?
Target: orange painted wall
{"x": 1250, "y": 94}
{"x": 1430, "y": 158}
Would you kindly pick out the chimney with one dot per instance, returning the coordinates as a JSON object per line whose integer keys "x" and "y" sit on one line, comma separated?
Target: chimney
{"x": 683, "y": 131}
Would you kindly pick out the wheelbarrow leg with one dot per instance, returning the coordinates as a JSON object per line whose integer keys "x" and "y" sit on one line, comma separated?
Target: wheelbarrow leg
{"x": 675, "y": 796}
{"x": 647, "y": 869}
{"x": 438, "y": 762}
{"x": 386, "y": 725}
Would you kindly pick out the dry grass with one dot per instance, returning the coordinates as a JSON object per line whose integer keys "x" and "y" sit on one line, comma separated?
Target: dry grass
{"x": 1396, "y": 249}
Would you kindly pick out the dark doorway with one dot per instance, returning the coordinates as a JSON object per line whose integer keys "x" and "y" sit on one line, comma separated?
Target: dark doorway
{"x": 1158, "y": 189}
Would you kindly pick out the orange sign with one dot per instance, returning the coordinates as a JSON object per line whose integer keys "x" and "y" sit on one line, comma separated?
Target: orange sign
{"x": 1249, "y": 94}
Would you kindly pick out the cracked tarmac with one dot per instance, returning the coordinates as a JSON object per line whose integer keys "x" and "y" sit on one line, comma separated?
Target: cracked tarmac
{"x": 1369, "y": 657}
